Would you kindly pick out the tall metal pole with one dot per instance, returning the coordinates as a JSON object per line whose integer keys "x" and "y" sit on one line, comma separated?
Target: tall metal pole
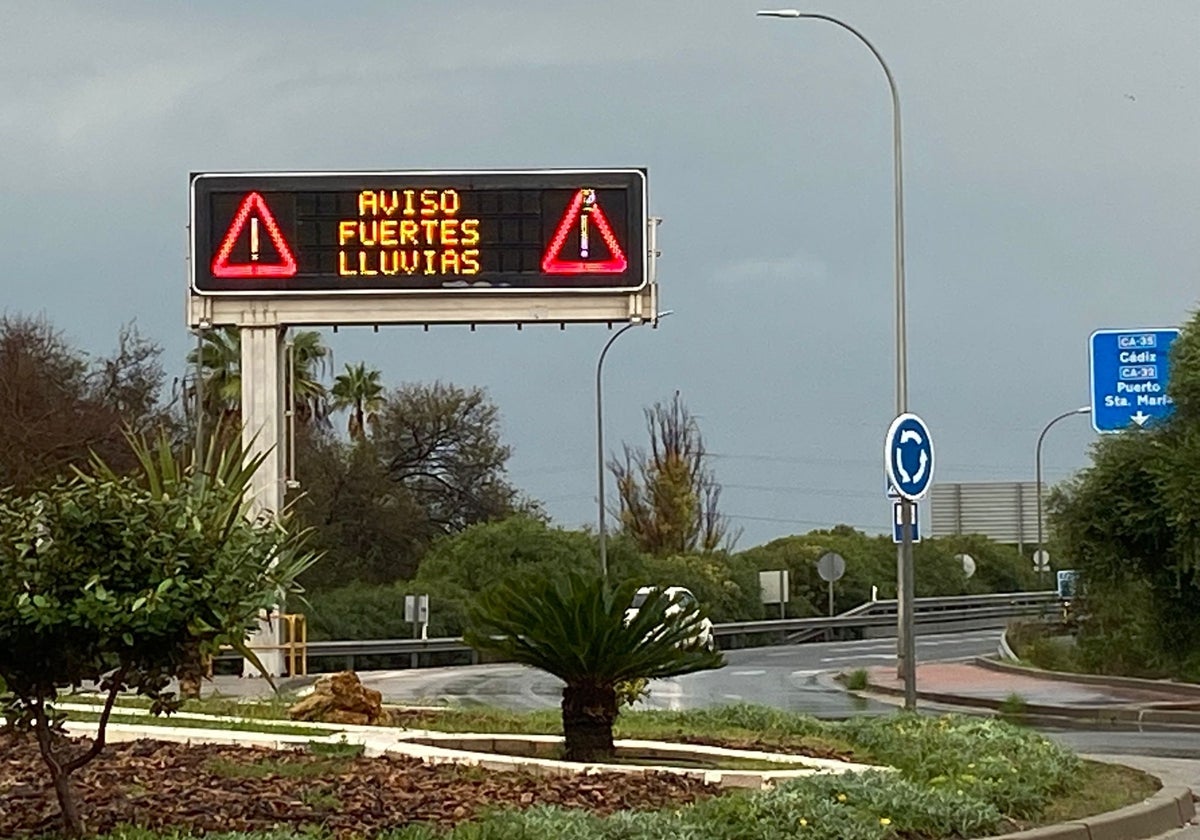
{"x": 600, "y": 446}
{"x": 905, "y": 645}
{"x": 603, "y": 534}
{"x": 1037, "y": 459}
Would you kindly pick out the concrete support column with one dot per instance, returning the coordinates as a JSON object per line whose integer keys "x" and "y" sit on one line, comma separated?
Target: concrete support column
{"x": 263, "y": 381}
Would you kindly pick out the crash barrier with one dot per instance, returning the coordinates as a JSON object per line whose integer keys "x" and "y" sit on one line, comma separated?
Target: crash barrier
{"x": 947, "y": 610}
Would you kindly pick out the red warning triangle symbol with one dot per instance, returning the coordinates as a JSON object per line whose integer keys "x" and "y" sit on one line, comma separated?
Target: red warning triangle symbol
{"x": 252, "y": 211}
{"x": 584, "y": 213}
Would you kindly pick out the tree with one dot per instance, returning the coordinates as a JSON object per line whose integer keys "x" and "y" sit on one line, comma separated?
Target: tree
{"x": 57, "y": 405}
{"x": 124, "y": 581}
{"x": 669, "y": 497}
{"x": 442, "y": 444}
{"x": 572, "y": 625}
{"x": 361, "y": 391}
{"x": 219, "y": 357}
{"x": 1129, "y": 525}
{"x": 310, "y": 362}
{"x": 369, "y": 528}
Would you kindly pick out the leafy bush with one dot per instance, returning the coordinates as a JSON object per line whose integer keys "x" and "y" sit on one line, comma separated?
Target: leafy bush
{"x": 857, "y": 680}
{"x": 1016, "y": 770}
{"x": 871, "y": 561}
{"x": 726, "y": 585}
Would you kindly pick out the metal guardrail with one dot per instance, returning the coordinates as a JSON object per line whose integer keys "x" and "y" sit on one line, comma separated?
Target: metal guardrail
{"x": 874, "y": 614}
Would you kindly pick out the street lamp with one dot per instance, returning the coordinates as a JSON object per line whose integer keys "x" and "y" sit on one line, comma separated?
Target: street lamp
{"x": 905, "y": 647}
{"x": 1037, "y": 459}
{"x": 600, "y": 432}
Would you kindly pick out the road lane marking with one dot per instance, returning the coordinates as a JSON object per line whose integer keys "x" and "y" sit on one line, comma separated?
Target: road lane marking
{"x": 748, "y": 673}
{"x": 864, "y": 656}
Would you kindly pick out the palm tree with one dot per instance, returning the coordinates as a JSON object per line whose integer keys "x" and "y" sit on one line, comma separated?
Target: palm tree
{"x": 310, "y": 362}
{"x": 220, "y": 359}
{"x": 360, "y": 390}
{"x": 573, "y": 626}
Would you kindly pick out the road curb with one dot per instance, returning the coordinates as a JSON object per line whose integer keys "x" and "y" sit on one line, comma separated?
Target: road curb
{"x": 1132, "y": 715}
{"x": 1168, "y": 686}
{"x": 1167, "y": 810}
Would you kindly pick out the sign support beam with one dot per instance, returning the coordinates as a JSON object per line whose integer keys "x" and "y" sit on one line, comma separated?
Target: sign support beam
{"x": 263, "y": 383}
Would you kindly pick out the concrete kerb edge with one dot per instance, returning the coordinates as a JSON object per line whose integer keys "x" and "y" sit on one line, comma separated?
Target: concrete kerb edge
{"x": 1122, "y": 715}
{"x": 1182, "y": 689}
{"x": 1169, "y": 809}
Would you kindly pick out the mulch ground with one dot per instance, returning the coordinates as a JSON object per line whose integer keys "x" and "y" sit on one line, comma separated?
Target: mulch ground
{"x": 222, "y": 788}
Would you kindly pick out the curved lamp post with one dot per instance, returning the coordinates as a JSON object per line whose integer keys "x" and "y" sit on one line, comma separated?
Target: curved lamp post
{"x": 905, "y": 646}
{"x": 600, "y": 432}
{"x": 1037, "y": 460}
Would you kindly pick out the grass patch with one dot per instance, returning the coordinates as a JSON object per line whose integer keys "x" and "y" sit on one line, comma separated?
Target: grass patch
{"x": 272, "y": 708}
{"x": 167, "y": 721}
{"x": 1102, "y": 787}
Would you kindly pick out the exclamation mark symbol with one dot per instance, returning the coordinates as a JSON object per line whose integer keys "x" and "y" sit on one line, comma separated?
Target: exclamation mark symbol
{"x": 254, "y": 239}
{"x": 589, "y": 201}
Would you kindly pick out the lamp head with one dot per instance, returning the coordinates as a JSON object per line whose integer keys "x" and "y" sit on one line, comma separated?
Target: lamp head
{"x": 1084, "y": 409}
{"x": 781, "y": 13}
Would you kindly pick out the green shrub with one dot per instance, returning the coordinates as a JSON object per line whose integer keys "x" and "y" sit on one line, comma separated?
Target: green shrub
{"x": 1014, "y": 705}
{"x": 1016, "y": 770}
{"x": 857, "y": 679}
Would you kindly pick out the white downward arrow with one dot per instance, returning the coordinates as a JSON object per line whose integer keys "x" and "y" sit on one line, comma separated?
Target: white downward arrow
{"x": 1140, "y": 418}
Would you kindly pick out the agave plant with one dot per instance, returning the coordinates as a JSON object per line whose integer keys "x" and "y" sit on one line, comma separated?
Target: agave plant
{"x": 573, "y": 626}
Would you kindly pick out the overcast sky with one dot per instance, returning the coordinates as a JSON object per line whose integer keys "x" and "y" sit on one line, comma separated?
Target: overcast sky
{"x": 1052, "y": 188}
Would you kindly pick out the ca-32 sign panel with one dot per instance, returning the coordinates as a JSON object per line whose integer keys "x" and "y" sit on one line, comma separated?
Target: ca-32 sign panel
{"x": 396, "y": 232}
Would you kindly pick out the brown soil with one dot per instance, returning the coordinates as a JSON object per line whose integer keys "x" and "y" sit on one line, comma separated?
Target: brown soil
{"x": 221, "y": 788}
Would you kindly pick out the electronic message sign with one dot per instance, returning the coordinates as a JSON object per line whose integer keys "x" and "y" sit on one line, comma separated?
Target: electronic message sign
{"x": 386, "y": 233}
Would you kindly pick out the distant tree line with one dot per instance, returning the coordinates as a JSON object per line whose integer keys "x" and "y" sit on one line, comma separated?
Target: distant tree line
{"x": 412, "y": 493}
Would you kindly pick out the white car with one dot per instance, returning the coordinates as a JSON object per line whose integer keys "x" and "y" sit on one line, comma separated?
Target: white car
{"x": 681, "y": 600}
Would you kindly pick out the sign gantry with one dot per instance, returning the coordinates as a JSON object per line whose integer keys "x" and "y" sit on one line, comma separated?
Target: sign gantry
{"x": 420, "y": 247}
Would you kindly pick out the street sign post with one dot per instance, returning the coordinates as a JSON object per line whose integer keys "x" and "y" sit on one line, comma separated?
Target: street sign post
{"x": 908, "y": 464}
{"x": 1041, "y": 561}
{"x": 898, "y": 522}
{"x": 908, "y": 456}
{"x": 1129, "y": 371}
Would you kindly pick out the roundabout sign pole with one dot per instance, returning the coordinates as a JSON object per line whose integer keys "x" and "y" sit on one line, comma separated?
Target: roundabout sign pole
{"x": 908, "y": 460}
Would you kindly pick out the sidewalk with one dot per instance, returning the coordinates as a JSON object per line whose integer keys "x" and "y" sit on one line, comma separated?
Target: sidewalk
{"x": 1079, "y": 696}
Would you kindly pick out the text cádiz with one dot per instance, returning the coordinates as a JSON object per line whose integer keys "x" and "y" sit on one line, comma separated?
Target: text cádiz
{"x": 1140, "y": 393}
{"x": 408, "y": 232}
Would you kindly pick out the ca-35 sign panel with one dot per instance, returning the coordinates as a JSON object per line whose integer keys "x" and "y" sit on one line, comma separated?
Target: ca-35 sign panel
{"x": 396, "y": 232}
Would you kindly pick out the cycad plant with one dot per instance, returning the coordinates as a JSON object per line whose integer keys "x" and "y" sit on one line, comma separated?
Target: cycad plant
{"x": 573, "y": 625}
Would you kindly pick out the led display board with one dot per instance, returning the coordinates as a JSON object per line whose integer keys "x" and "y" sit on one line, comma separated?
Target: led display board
{"x": 283, "y": 234}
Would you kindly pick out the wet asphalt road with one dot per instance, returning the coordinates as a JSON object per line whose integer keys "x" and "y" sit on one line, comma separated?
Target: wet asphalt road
{"x": 785, "y": 677}
{"x": 794, "y": 677}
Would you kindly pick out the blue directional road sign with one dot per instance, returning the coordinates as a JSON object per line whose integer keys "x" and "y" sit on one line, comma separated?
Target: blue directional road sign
{"x": 1129, "y": 377}
{"x": 898, "y": 523}
{"x": 908, "y": 456}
